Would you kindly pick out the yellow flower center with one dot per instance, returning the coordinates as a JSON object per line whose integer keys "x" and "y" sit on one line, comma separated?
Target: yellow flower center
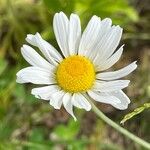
{"x": 75, "y": 74}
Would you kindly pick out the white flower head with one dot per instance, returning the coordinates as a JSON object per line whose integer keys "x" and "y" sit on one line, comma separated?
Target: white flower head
{"x": 71, "y": 77}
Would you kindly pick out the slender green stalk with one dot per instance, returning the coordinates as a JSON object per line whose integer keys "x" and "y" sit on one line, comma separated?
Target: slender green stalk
{"x": 119, "y": 128}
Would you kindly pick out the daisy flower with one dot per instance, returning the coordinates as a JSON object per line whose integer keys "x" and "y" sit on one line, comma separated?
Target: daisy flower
{"x": 76, "y": 74}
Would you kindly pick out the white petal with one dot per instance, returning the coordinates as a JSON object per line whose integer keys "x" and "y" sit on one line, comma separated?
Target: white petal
{"x": 123, "y": 98}
{"x": 48, "y": 50}
{"x": 45, "y": 92}
{"x": 89, "y": 36}
{"x": 74, "y": 34}
{"x": 110, "y": 86}
{"x": 33, "y": 58}
{"x": 103, "y": 98}
{"x": 56, "y": 99}
{"x": 117, "y": 74}
{"x": 68, "y": 104}
{"x": 100, "y": 66}
{"x": 35, "y": 75}
{"x": 107, "y": 45}
{"x": 80, "y": 101}
{"x": 105, "y": 26}
{"x": 60, "y": 25}
{"x": 112, "y": 41}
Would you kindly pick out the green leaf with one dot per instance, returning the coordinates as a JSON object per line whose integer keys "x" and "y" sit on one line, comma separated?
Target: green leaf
{"x": 67, "y": 132}
{"x": 37, "y": 135}
{"x": 66, "y": 6}
{"x": 3, "y": 65}
{"x": 135, "y": 112}
{"x": 77, "y": 144}
{"x": 109, "y": 146}
{"x": 55, "y": 5}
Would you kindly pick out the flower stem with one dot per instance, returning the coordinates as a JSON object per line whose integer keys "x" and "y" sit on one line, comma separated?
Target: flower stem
{"x": 119, "y": 128}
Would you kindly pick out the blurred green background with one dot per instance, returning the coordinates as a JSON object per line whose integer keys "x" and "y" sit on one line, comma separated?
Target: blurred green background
{"x": 27, "y": 123}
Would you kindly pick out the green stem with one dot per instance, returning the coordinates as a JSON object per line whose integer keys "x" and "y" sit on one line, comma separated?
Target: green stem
{"x": 119, "y": 128}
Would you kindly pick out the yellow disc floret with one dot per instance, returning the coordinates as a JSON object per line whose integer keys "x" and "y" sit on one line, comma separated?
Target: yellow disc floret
{"x": 75, "y": 74}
